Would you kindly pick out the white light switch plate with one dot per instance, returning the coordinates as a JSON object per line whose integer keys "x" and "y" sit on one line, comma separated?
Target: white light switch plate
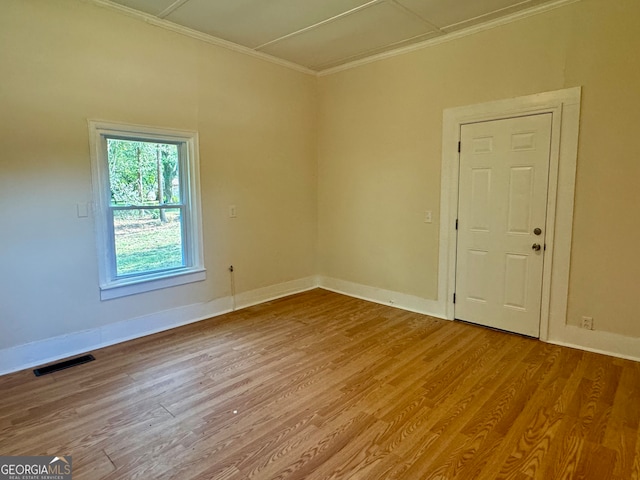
{"x": 83, "y": 210}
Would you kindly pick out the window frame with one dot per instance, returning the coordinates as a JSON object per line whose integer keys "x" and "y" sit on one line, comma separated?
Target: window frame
{"x": 112, "y": 286}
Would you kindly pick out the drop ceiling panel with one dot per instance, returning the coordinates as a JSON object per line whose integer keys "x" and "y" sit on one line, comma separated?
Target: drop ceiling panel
{"x": 444, "y": 13}
{"x": 368, "y": 29}
{"x": 321, "y": 34}
{"x": 254, "y": 22}
{"x": 376, "y": 51}
{"x": 154, "y": 7}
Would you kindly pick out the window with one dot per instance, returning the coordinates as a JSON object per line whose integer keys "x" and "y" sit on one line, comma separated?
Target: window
{"x": 147, "y": 208}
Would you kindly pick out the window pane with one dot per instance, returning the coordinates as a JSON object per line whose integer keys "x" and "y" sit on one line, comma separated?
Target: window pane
{"x": 147, "y": 240}
{"x": 143, "y": 173}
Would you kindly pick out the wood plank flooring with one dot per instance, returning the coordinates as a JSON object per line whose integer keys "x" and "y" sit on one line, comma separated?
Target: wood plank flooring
{"x": 323, "y": 386}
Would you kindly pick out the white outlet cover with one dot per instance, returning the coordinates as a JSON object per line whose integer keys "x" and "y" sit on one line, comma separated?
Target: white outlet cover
{"x": 587, "y": 322}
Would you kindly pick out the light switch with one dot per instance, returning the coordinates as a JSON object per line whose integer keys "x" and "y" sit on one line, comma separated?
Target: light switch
{"x": 232, "y": 211}
{"x": 83, "y": 210}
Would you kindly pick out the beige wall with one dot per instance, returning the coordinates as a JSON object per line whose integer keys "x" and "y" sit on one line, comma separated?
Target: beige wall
{"x": 380, "y": 151}
{"x": 66, "y": 61}
{"x": 349, "y": 162}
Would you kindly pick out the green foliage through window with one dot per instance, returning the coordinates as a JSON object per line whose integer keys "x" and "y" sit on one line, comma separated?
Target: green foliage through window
{"x": 145, "y": 174}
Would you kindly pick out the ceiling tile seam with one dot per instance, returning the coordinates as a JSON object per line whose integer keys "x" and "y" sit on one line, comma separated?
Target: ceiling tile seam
{"x": 469, "y": 20}
{"x": 380, "y": 50}
{"x": 204, "y": 37}
{"x": 319, "y": 24}
{"x": 171, "y": 8}
{"x": 427, "y": 22}
{"x": 448, "y": 37}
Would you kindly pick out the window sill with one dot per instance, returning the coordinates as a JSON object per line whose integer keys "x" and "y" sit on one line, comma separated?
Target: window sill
{"x": 123, "y": 288}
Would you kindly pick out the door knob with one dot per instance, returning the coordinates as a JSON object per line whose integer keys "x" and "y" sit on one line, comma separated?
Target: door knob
{"x": 536, "y": 247}
{"x": 537, "y": 231}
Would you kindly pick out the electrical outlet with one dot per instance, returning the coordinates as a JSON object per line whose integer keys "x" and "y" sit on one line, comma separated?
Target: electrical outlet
{"x": 587, "y": 323}
{"x": 427, "y": 216}
{"x": 232, "y": 211}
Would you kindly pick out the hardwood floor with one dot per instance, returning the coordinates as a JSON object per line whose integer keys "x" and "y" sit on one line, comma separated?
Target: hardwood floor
{"x": 323, "y": 386}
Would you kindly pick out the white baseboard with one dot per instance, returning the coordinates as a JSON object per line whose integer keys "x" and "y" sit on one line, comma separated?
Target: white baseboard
{"x": 45, "y": 351}
{"x": 49, "y": 350}
{"x": 598, "y": 341}
{"x": 272, "y": 292}
{"x": 382, "y": 296}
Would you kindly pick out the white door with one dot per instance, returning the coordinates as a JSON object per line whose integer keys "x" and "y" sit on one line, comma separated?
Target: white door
{"x": 504, "y": 171}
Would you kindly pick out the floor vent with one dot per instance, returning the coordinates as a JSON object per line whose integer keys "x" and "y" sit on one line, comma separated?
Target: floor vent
{"x": 62, "y": 365}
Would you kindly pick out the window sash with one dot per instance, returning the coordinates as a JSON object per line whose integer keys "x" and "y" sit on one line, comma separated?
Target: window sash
{"x": 187, "y": 257}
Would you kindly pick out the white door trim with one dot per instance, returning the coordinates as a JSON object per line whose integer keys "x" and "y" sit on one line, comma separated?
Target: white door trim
{"x": 564, "y": 105}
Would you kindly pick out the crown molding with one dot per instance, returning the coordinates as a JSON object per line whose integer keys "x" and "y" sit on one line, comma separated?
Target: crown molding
{"x": 204, "y": 37}
{"x": 448, "y": 37}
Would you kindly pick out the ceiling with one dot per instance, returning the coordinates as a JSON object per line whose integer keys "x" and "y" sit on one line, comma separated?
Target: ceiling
{"x": 323, "y": 34}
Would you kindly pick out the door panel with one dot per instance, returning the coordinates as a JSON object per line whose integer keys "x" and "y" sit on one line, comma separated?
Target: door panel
{"x": 480, "y": 196}
{"x": 504, "y": 171}
{"x": 515, "y": 279}
{"x": 477, "y": 265}
{"x": 520, "y": 200}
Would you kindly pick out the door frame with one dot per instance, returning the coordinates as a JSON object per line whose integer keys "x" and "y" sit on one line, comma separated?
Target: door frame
{"x": 564, "y": 105}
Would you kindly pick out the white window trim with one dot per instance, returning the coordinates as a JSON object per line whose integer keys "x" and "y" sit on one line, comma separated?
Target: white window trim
{"x": 190, "y": 177}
